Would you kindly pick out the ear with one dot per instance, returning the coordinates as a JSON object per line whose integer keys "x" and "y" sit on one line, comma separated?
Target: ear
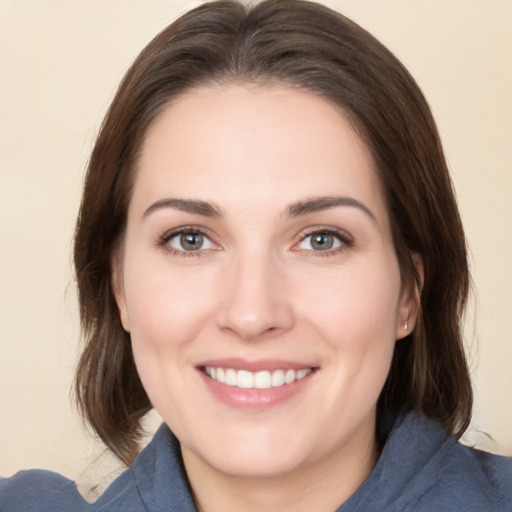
{"x": 118, "y": 289}
{"x": 410, "y": 301}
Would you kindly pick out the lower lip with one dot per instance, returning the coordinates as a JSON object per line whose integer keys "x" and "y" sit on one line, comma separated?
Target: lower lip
{"x": 254, "y": 398}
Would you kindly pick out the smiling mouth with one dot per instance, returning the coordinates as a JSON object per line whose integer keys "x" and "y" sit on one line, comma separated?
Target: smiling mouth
{"x": 255, "y": 380}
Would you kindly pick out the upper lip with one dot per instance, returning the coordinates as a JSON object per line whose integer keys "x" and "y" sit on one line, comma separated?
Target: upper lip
{"x": 255, "y": 366}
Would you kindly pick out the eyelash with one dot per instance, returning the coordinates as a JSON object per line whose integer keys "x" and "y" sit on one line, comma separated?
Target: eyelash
{"x": 185, "y": 230}
{"x": 343, "y": 237}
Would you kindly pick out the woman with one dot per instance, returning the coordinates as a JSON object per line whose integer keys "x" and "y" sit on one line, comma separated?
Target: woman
{"x": 269, "y": 252}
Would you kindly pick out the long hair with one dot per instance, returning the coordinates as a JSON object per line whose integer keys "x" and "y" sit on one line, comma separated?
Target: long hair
{"x": 302, "y": 45}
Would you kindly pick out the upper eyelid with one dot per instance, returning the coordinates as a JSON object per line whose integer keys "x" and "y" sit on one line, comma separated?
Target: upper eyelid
{"x": 170, "y": 233}
{"x": 163, "y": 241}
{"x": 342, "y": 233}
{"x": 346, "y": 240}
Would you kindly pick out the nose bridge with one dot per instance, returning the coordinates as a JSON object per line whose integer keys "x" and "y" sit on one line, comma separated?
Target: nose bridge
{"x": 254, "y": 300}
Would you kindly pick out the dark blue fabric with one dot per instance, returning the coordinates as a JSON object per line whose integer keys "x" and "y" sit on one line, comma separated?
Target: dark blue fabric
{"x": 419, "y": 470}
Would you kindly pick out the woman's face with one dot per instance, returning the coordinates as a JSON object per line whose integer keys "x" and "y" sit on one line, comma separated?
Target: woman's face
{"x": 259, "y": 281}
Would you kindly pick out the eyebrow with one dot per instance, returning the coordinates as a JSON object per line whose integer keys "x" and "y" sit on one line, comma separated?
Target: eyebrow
{"x": 297, "y": 209}
{"x": 316, "y": 204}
{"x": 194, "y": 206}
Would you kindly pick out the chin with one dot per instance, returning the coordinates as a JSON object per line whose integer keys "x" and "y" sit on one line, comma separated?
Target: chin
{"x": 254, "y": 464}
{"x": 260, "y": 452}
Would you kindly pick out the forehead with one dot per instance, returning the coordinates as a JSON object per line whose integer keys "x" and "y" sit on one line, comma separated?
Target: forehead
{"x": 264, "y": 143}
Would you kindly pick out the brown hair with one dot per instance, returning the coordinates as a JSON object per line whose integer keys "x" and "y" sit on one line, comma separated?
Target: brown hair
{"x": 304, "y": 45}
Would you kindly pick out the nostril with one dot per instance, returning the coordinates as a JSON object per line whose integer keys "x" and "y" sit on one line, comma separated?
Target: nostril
{"x": 253, "y": 303}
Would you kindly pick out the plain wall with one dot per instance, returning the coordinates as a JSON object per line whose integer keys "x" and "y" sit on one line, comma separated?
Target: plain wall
{"x": 60, "y": 63}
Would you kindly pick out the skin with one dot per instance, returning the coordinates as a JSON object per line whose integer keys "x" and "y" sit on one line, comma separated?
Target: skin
{"x": 257, "y": 289}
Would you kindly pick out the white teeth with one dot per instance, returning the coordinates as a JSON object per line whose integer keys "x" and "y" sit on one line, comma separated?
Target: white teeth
{"x": 262, "y": 380}
{"x": 245, "y": 379}
{"x": 289, "y": 376}
{"x": 231, "y": 377}
{"x": 257, "y": 380}
{"x": 277, "y": 378}
{"x": 300, "y": 374}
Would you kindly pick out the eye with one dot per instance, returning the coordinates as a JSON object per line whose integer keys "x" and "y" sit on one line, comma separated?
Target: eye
{"x": 188, "y": 241}
{"x": 324, "y": 240}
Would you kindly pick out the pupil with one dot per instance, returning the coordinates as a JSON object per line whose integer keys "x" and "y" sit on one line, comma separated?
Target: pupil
{"x": 322, "y": 242}
{"x": 191, "y": 241}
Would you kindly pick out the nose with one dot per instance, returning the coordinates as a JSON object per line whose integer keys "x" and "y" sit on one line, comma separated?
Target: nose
{"x": 253, "y": 299}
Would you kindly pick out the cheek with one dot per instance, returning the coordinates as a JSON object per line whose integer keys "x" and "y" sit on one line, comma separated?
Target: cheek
{"x": 356, "y": 313}
{"x": 356, "y": 303}
{"x": 167, "y": 310}
{"x": 166, "y": 313}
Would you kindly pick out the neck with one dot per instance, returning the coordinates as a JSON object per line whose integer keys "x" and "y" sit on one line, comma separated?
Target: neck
{"x": 321, "y": 486}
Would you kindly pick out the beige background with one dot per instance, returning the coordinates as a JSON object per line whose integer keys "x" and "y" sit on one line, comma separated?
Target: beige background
{"x": 60, "y": 62}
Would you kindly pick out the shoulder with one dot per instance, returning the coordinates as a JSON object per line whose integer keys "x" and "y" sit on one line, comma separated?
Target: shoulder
{"x": 421, "y": 470}
{"x": 447, "y": 473}
{"x": 45, "y": 491}
{"x": 473, "y": 479}
{"x": 38, "y": 491}
{"x": 156, "y": 481}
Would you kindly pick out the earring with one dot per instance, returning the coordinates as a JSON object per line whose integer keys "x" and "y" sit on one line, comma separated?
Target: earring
{"x": 405, "y": 326}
